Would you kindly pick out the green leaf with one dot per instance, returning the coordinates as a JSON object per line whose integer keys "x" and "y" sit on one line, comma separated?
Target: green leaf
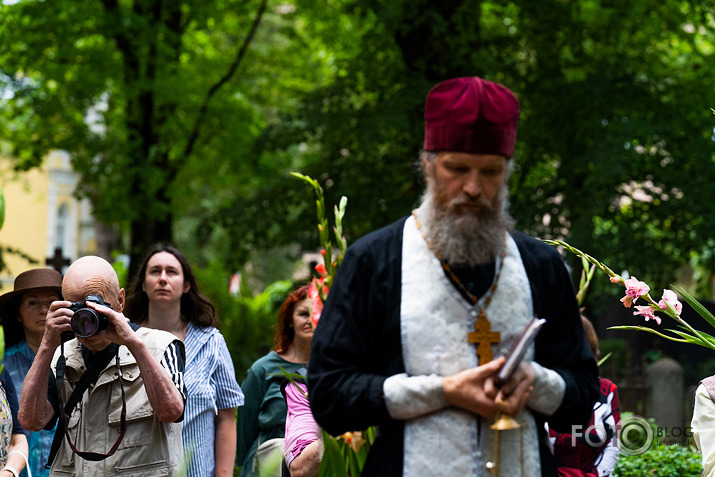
{"x": 708, "y": 337}
{"x": 332, "y": 464}
{"x": 696, "y": 305}
{"x": 353, "y": 463}
{"x": 364, "y": 449}
{"x": 694, "y": 339}
{"x": 291, "y": 377}
{"x": 649, "y": 330}
{"x": 301, "y": 176}
{"x": 603, "y": 360}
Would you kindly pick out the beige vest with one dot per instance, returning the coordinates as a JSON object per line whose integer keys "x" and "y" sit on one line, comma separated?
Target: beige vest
{"x": 149, "y": 447}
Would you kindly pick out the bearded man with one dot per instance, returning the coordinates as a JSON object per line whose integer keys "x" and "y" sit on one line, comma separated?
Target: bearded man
{"x": 421, "y": 312}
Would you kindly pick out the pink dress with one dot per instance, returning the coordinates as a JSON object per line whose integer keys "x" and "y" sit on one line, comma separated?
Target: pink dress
{"x": 301, "y": 428}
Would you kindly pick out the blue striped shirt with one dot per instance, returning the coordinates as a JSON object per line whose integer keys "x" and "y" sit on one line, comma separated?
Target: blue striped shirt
{"x": 211, "y": 385}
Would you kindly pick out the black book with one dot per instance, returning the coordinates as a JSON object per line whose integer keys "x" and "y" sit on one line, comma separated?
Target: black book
{"x": 519, "y": 349}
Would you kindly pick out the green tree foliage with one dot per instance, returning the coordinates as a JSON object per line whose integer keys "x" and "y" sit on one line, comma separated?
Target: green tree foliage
{"x": 615, "y": 147}
{"x": 200, "y": 110}
{"x": 247, "y": 322}
{"x": 155, "y": 100}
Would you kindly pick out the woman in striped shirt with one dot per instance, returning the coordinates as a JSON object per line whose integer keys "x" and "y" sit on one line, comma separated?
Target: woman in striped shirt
{"x": 165, "y": 296}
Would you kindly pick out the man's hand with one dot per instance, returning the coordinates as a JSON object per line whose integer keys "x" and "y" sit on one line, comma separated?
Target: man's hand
{"x": 118, "y": 329}
{"x": 473, "y": 389}
{"x": 57, "y": 322}
{"x": 513, "y": 394}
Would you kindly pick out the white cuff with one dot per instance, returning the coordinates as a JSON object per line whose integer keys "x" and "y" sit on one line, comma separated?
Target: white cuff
{"x": 11, "y": 470}
{"x": 549, "y": 390}
{"x": 27, "y": 463}
{"x": 408, "y": 397}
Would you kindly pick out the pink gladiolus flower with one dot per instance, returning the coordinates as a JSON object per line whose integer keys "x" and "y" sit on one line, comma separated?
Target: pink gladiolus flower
{"x": 647, "y": 312}
{"x": 634, "y": 290}
{"x": 670, "y": 298}
{"x": 316, "y": 304}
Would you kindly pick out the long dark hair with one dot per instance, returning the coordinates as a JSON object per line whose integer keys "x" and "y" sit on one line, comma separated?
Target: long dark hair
{"x": 195, "y": 307}
{"x": 284, "y": 332}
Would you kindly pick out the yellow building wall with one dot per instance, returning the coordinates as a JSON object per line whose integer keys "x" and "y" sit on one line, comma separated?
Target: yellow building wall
{"x": 41, "y": 213}
{"x": 25, "y": 227}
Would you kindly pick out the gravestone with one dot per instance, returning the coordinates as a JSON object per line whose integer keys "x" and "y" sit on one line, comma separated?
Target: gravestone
{"x": 665, "y": 398}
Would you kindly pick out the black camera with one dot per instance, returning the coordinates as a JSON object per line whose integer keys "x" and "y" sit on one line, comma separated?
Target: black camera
{"x": 86, "y": 322}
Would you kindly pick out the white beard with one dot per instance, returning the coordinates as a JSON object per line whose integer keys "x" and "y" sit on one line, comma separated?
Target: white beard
{"x": 469, "y": 239}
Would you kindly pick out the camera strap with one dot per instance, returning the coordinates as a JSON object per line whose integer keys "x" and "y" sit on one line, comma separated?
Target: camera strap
{"x": 89, "y": 377}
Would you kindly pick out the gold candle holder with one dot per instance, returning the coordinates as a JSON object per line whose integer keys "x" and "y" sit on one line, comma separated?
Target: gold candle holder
{"x": 504, "y": 423}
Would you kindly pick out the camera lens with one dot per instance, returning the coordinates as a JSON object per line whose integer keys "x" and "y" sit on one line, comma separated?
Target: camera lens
{"x": 85, "y": 323}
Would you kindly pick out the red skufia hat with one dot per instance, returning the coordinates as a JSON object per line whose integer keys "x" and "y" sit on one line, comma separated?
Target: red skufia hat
{"x": 471, "y": 115}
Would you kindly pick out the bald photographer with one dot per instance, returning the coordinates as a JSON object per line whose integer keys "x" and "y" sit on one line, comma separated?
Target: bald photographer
{"x": 116, "y": 389}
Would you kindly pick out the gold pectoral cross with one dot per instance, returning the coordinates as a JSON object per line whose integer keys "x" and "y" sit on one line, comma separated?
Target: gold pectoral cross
{"x": 484, "y": 337}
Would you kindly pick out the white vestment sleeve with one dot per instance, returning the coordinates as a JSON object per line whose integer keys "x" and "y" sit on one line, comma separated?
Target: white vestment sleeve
{"x": 703, "y": 425}
{"x": 408, "y": 397}
{"x": 549, "y": 390}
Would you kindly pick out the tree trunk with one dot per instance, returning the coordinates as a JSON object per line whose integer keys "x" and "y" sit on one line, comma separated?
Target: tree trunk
{"x": 146, "y": 232}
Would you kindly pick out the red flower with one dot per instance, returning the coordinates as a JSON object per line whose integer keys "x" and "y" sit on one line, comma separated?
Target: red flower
{"x": 316, "y": 304}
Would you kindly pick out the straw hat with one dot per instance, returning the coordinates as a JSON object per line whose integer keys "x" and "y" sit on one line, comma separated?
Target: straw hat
{"x": 31, "y": 280}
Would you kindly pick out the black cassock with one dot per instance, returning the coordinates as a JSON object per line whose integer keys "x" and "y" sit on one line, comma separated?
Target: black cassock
{"x": 357, "y": 345}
